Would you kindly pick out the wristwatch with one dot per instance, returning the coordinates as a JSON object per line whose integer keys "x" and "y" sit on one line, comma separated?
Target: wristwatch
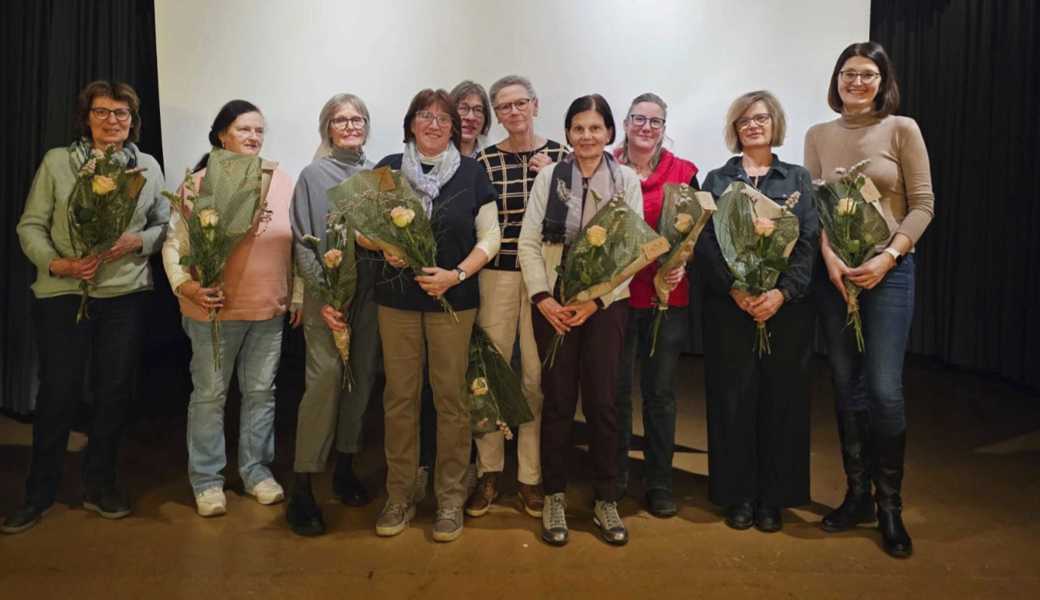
{"x": 896, "y": 256}
{"x": 462, "y": 274}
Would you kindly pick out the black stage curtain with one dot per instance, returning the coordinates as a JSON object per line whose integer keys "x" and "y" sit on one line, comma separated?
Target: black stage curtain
{"x": 55, "y": 47}
{"x": 969, "y": 72}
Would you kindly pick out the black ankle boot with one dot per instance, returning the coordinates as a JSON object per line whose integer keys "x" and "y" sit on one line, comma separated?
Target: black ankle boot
{"x": 888, "y": 481}
{"x": 858, "y": 506}
{"x": 345, "y": 484}
{"x": 302, "y": 511}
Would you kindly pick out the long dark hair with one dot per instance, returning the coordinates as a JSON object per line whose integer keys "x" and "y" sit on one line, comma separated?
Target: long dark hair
{"x": 227, "y": 115}
{"x": 887, "y": 100}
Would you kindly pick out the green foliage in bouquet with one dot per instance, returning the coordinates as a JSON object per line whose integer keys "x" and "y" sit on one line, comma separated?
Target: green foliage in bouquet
{"x": 101, "y": 205}
{"x": 850, "y": 215}
{"x": 337, "y": 281}
{"x": 684, "y": 213}
{"x": 614, "y": 245}
{"x": 381, "y": 205}
{"x": 496, "y": 400}
{"x": 218, "y": 215}
{"x": 756, "y": 236}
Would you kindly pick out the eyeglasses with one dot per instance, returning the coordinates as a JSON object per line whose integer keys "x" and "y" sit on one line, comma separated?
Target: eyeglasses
{"x": 429, "y": 117}
{"x": 867, "y": 77}
{"x": 517, "y": 105}
{"x": 342, "y": 123}
{"x": 466, "y": 110}
{"x": 759, "y": 119}
{"x": 101, "y": 114}
{"x": 640, "y": 120}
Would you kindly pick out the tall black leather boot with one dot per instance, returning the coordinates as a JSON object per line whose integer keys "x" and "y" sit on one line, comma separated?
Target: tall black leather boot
{"x": 888, "y": 482}
{"x": 858, "y": 506}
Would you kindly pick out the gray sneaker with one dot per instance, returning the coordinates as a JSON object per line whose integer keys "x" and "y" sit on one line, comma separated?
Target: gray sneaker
{"x": 447, "y": 525}
{"x": 422, "y": 481}
{"x": 554, "y": 519}
{"x": 611, "y": 528}
{"x": 394, "y": 518}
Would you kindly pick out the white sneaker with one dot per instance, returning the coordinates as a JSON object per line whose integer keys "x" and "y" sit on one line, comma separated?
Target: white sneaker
{"x": 267, "y": 492}
{"x": 211, "y": 502}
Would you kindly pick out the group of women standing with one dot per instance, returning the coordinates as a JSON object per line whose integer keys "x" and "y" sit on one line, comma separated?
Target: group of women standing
{"x": 504, "y": 215}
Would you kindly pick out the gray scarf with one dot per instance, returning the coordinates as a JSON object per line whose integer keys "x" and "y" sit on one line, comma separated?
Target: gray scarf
{"x": 428, "y": 185}
{"x": 584, "y": 207}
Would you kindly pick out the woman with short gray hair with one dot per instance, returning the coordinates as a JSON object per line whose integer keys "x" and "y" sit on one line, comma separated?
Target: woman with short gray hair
{"x": 505, "y": 309}
{"x": 327, "y": 410}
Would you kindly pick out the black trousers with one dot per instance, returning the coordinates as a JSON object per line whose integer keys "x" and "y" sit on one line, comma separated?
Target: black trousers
{"x": 758, "y": 407}
{"x": 109, "y": 343}
{"x": 588, "y": 359}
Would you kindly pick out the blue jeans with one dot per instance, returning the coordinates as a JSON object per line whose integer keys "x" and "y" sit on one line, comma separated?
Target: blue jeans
{"x": 871, "y": 381}
{"x": 254, "y": 347}
{"x": 657, "y": 385}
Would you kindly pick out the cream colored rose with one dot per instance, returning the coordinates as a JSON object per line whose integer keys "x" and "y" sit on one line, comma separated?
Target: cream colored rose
{"x": 208, "y": 218}
{"x": 89, "y": 167}
{"x": 102, "y": 185}
{"x": 683, "y": 222}
{"x": 479, "y": 387}
{"x": 845, "y": 206}
{"x": 401, "y": 216}
{"x": 764, "y": 227}
{"x": 596, "y": 235}
{"x": 97, "y": 153}
{"x": 333, "y": 258}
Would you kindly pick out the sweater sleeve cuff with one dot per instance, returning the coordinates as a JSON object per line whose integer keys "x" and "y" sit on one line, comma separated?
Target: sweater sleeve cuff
{"x": 537, "y": 298}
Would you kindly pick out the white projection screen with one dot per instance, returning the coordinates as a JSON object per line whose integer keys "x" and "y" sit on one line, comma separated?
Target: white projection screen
{"x": 289, "y": 57}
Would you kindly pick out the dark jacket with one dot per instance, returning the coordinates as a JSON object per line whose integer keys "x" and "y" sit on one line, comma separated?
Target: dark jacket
{"x": 778, "y": 183}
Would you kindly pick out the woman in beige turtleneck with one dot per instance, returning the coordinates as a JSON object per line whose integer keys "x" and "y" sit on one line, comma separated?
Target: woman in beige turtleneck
{"x": 869, "y": 386}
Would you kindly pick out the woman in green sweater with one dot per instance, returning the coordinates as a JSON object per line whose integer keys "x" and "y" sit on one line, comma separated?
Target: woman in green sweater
{"x": 108, "y": 114}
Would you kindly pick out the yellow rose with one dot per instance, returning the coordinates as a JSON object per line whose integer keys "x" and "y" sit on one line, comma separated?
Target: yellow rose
{"x": 845, "y": 206}
{"x": 479, "y": 387}
{"x": 683, "y": 222}
{"x": 596, "y": 236}
{"x": 333, "y": 258}
{"x": 208, "y": 218}
{"x": 102, "y": 185}
{"x": 764, "y": 227}
{"x": 401, "y": 216}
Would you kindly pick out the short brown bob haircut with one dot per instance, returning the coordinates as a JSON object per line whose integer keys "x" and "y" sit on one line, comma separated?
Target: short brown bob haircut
{"x": 887, "y": 100}
{"x": 424, "y": 100}
{"x": 116, "y": 90}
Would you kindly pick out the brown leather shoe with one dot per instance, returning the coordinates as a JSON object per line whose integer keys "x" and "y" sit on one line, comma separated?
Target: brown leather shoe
{"x": 532, "y": 499}
{"x": 483, "y": 495}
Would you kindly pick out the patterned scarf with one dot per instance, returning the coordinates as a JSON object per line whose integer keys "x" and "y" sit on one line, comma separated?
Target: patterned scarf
{"x": 428, "y": 185}
{"x": 82, "y": 150}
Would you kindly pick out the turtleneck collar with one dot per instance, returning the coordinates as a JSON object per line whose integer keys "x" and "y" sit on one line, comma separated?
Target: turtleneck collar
{"x": 859, "y": 120}
{"x": 348, "y": 156}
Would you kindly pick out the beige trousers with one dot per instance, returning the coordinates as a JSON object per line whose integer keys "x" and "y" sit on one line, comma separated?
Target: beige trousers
{"x": 407, "y": 337}
{"x": 505, "y": 310}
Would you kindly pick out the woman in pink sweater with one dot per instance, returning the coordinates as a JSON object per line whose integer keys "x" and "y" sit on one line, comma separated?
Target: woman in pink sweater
{"x": 252, "y": 302}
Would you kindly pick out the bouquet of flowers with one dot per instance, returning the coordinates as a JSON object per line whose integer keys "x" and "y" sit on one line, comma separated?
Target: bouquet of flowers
{"x": 614, "y": 245}
{"x": 218, "y": 215}
{"x": 684, "y": 213}
{"x": 496, "y": 401}
{"x": 337, "y": 281}
{"x": 101, "y": 205}
{"x": 381, "y": 206}
{"x": 756, "y": 236}
{"x": 851, "y": 216}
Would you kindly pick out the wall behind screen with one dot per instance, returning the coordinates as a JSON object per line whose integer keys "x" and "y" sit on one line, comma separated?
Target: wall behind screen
{"x": 289, "y": 57}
